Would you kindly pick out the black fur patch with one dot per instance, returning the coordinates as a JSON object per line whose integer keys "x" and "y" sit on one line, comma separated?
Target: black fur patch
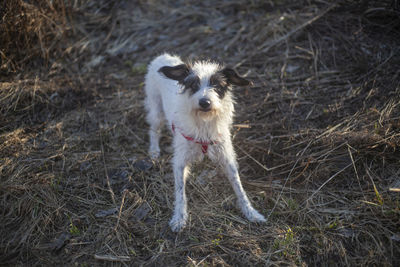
{"x": 235, "y": 79}
{"x": 177, "y": 73}
{"x": 219, "y": 83}
{"x": 191, "y": 83}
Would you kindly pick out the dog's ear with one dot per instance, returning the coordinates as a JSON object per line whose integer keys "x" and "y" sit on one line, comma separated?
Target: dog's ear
{"x": 177, "y": 73}
{"x": 235, "y": 79}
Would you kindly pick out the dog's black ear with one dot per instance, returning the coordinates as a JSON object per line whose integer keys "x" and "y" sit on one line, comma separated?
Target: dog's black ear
{"x": 177, "y": 73}
{"x": 233, "y": 78}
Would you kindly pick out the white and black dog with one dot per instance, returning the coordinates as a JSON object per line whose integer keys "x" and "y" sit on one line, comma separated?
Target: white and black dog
{"x": 196, "y": 100}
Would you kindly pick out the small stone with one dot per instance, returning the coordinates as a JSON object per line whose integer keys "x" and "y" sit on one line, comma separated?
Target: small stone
{"x": 106, "y": 213}
{"x": 142, "y": 211}
{"x": 143, "y": 165}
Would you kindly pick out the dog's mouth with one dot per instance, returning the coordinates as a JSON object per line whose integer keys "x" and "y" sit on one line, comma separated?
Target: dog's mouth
{"x": 205, "y": 114}
{"x": 204, "y": 109}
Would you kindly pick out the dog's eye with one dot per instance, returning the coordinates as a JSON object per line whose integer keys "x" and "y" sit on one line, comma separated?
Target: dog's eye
{"x": 221, "y": 91}
{"x": 219, "y": 84}
{"x": 193, "y": 84}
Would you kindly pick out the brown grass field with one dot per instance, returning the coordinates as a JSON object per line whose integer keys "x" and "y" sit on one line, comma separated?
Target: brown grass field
{"x": 317, "y": 137}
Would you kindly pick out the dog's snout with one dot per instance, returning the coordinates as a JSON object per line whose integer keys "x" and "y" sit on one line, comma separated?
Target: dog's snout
{"x": 204, "y": 103}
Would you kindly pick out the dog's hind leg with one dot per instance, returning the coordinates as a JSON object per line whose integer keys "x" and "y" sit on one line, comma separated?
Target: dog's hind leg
{"x": 230, "y": 166}
{"x": 155, "y": 120}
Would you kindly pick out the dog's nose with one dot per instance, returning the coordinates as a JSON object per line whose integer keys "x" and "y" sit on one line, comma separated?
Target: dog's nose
{"x": 204, "y": 103}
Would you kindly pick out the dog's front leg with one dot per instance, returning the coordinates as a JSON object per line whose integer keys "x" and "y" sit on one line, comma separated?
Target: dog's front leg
{"x": 181, "y": 171}
{"x": 230, "y": 165}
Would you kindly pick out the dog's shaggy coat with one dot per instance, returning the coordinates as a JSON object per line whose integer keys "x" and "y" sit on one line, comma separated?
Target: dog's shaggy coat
{"x": 196, "y": 100}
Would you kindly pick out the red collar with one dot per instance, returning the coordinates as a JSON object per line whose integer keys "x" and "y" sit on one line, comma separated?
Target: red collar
{"x": 204, "y": 145}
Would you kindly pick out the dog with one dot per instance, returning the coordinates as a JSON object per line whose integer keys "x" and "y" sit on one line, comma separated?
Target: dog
{"x": 196, "y": 99}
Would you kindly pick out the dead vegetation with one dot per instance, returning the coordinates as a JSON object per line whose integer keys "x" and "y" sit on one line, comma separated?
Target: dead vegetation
{"x": 317, "y": 137}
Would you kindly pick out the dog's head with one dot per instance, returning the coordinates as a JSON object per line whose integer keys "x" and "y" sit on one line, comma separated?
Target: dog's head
{"x": 206, "y": 85}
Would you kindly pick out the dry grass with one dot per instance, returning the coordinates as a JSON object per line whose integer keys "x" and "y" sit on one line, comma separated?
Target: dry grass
{"x": 317, "y": 137}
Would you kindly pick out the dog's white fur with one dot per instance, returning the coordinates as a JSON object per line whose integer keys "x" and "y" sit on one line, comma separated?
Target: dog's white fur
{"x": 181, "y": 109}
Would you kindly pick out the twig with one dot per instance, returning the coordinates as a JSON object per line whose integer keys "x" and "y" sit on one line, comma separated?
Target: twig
{"x": 268, "y": 45}
{"x": 355, "y": 169}
{"x": 112, "y": 258}
{"x": 120, "y": 209}
{"x": 235, "y": 38}
{"x": 256, "y": 161}
{"x": 247, "y": 126}
{"x": 286, "y": 36}
{"x": 105, "y": 170}
{"x": 327, "y": 181}
{"x": 287, "y": 179}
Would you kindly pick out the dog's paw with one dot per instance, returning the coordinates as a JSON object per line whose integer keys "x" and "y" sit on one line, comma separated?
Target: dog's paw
{"x": 177, "y": 223}
{"x": 154, "y": 153}
{"x": 254, "y": 216}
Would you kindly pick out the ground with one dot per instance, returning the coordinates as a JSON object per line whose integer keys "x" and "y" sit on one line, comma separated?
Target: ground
{"x": 317, "y": 136}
